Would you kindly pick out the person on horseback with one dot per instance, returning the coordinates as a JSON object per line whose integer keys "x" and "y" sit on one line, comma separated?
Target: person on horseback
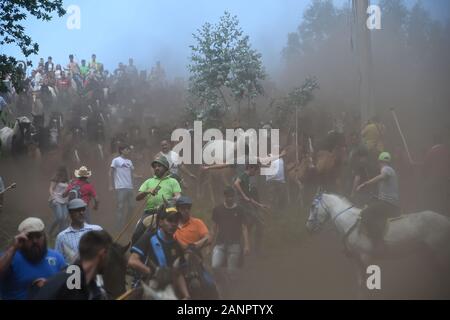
{"x": 156, "y": 190}
{"x": 157, "y": 255}
{"x": 193, "y": 235}
{"x": 387, "y": 203}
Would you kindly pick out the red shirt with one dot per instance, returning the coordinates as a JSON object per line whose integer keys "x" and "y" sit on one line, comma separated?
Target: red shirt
{"x": 87, "y": 191}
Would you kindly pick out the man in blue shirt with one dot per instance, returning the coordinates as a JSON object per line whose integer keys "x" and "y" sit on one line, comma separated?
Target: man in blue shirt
{"x": 27, "y": 260}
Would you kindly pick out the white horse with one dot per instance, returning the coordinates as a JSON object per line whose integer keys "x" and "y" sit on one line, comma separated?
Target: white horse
{"x": 403, "y": 235}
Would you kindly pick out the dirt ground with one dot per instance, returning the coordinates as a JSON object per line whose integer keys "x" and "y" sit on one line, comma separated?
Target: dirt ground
{"x": 294, "y": 265}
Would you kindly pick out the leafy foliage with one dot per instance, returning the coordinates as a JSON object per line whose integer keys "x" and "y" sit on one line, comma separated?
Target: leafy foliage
{"x": 223, "y": 63}
{"x": 12, "y": 13}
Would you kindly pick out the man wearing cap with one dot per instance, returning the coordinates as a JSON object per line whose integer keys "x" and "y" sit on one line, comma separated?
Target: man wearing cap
{"x": 161, "y": 187}
{"x": 83, "y": 189}
{"x": 192, "y": 233}
{"x": 68, "y": 240}
{"x": 28, "y": 259}
{"x": 157, "y": 254}
{"x": 387, "y": 202}
{"x": 121, "y": 175}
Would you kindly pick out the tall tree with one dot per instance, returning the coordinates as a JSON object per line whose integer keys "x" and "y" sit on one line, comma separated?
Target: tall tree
{"x": 223, "y": 65}
{"x": 12, "y": 14}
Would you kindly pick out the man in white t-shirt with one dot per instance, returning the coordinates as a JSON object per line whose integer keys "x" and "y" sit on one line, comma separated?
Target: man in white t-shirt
{"x": 276, "y": 183}
{"x": 121, "y": 179}
{"x": 174, "y": 161}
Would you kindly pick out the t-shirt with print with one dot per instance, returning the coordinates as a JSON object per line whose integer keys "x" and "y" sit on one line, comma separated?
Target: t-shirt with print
{"x": 22, "y": 273}
{"x": 168, "y": 187}
{"x": 229, "y": 222}
{"x": 123, "y": 173}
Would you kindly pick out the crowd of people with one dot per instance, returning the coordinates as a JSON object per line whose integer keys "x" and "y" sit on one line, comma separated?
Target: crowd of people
{"x": 169, "y": 238}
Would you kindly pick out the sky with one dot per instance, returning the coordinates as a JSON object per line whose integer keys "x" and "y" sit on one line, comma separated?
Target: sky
{"x": 161, "y": 30}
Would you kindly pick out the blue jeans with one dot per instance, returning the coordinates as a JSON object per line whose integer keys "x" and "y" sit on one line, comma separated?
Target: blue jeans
{"x": 125, "y": 203}
{"x": 60, "y": 213}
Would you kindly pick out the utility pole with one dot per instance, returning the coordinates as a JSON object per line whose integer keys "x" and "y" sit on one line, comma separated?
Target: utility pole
{"x": 363, "y": 49}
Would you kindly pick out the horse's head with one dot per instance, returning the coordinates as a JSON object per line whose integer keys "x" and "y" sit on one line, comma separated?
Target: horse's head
{"x": 24, "y": 128}
{"x": 318, "y": 214}
{"x": 115, "y": 270}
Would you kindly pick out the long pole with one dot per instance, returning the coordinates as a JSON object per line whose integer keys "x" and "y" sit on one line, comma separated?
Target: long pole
{"x": 12, "y": 186}
{"x": 139, "y": 209}
{"x": 296, "y": 133}
{"x": 401, "y": 135}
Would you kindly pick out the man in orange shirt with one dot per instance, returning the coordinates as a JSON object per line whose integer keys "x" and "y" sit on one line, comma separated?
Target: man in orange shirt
{"x": 192, "y": 233}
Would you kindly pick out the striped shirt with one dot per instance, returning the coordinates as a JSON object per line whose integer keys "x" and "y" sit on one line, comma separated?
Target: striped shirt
{"x": 67, "y": 241}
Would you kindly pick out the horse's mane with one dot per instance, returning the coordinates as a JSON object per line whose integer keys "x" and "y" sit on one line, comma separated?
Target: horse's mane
{"x": 343, "y": 198}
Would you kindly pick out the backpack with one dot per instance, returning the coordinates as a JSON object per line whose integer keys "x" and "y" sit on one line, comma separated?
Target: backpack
{"x": 75, "y": 192}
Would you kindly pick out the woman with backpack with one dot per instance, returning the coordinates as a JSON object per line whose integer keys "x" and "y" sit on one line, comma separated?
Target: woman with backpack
{"x": 81, "y": 188}
{"x": 57, "y": 201}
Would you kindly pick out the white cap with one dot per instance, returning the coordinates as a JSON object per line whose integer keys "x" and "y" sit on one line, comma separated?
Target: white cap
{"x": 31, "y": 225}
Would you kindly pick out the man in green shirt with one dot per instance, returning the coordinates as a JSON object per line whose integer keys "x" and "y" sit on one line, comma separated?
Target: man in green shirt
{"x": 162, "y": 187}
{"x": 84, "y": 69}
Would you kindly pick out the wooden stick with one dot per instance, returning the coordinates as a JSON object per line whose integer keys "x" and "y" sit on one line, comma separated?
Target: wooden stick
{"x": 12, "y": 186}
{"x": 139, "y": 209}
{"x": 126, "y": 294}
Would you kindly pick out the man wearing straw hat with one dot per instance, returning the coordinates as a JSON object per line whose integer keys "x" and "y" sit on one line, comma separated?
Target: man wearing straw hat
{"x": 81, "y": 188}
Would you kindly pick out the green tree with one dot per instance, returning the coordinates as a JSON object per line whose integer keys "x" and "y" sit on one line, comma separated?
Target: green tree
{"x": 223, "y": 66}
{"x": 12, "y": 32}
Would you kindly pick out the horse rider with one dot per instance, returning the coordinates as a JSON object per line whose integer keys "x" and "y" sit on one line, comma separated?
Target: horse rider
{"x": 93, "y": 251}
{"x": 156, "y": 190}
{"x": 193, "y": 235}
{"x": 157, "y": 255}
{"x": 385, "y": 205}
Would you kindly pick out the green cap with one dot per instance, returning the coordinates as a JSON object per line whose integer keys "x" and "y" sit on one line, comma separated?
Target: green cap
{"x": 384, "y": 156}
{"x": 162, "y": 161}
